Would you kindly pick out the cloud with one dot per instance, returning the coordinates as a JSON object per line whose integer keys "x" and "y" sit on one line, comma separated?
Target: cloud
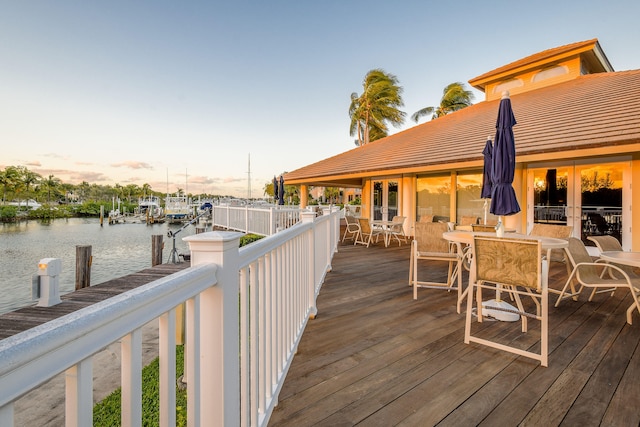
{"x": 230, "y": 179}
{"x": 203, "y": 180}
{"x": 35, "y": 163}
{"x": 132, "y": 165}
{"x": 55, "y": 156}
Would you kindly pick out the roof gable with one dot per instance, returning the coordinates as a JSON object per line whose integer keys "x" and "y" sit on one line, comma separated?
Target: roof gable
{"x": 573, "y": 60}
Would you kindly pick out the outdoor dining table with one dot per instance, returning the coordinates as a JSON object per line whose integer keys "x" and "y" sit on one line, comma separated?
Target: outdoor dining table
{"x": 621, "y": 257}
{"x": 385, "y": 226}
{"x": 464, "y": 239}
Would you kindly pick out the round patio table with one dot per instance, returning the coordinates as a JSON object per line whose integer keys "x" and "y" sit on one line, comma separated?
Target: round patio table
{"x": 621, "y": 257}
{"x": 625, "y": 258}
{"x": 464, "y": 239}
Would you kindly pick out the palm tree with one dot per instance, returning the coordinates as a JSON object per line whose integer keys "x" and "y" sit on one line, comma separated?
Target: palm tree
{"x": 10, "y": 179}
{"x": 377, "y": 106}
{"x": 28, "y": 179}
{"x": 454, "y": 97}
{"x": 52, "y": 184}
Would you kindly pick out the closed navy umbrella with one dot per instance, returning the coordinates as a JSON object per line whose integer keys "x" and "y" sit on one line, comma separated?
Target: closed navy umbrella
{"x": 281, "y": 192}
{"x": 486, "y": 176}
{"x": 486, "y": 171}
{"x": 503, "y": 196}
{"x": 275, "y": 189}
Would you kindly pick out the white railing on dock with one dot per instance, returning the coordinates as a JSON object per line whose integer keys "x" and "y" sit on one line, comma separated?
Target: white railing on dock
{"x": 246, "y": 310}
{"x": 257, "y": 220}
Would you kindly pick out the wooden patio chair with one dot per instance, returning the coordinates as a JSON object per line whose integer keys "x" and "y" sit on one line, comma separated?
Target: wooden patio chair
{"x": 428, "y": 244}
{"x": 587, "y": 274}
{"x": 515, "y": 266}
{"x": 352, "y": 229}
{"x": 610, "y": 243}
{"x": 396, "y": 230}
{"x": 366, "y": 233}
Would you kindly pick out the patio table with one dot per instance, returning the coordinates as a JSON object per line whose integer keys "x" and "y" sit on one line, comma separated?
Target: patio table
{"x": 625, "y": 258}
{"x": 385, "y": 226}
{"x": 464, "y": 239}
{"x": 621, "y": 257}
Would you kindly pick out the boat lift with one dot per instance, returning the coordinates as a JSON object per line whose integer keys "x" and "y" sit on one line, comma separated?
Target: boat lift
{"x": 173, "y": 255}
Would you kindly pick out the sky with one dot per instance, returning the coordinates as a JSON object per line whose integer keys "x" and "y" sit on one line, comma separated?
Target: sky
{"x": 218, "y": 97}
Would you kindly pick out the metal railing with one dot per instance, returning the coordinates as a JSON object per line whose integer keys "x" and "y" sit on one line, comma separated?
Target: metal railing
{"x": 246, "y": 310}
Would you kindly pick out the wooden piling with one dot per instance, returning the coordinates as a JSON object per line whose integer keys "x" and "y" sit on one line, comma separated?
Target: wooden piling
{"x": 156, "y": 249}
{"x": 83, "y": 266}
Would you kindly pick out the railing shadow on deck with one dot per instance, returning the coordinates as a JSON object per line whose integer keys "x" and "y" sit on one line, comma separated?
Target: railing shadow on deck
{"x": 246, "y": 310}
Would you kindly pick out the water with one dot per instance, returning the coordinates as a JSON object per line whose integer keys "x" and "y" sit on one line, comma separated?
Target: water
{"x": 117, "y": 250}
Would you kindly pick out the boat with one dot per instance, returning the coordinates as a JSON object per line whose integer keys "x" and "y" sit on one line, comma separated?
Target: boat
{"x": 177, "y": 209}
{"x": 115, "y": 216}
{"x": 27, "y": 204}
{"x": 149, "y": 210}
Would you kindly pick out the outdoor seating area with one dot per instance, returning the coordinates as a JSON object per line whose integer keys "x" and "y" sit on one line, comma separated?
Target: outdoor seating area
{"x": 374, "y": 355}
{"x": 600, "y": 276}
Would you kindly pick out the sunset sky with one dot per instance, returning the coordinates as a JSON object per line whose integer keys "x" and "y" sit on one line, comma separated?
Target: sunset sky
{"x": 180, "y": 94}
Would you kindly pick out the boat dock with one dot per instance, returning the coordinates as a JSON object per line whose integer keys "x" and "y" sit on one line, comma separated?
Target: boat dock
{"x": 25, "y": 318}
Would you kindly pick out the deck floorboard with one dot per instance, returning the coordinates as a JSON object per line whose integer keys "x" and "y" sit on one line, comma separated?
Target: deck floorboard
{"x": 375, "y": 356}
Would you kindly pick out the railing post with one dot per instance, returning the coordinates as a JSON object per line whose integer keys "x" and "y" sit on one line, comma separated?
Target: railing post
{"x": 272, "y": 220}
{"x": 219, "y": 336}
{"x": 308, "y": 216}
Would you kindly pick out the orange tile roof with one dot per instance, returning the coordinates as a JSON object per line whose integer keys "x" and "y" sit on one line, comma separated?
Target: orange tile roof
{"x": 595, "y": 110}
{"x": 538, "y": 58}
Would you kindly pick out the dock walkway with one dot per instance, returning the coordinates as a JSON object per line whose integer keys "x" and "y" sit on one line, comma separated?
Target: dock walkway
{"x": 25, "y": 318}
{"x": 45, "y": 405}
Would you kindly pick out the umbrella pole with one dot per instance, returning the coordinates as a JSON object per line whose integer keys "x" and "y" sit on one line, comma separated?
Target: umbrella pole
{"x": 486, "y": 208}
{"x": 500, "y": 227}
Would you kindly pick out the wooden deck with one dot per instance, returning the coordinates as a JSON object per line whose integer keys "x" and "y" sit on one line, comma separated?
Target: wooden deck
{"x": 374, "y": 356}
{"x": 25, "y": 318}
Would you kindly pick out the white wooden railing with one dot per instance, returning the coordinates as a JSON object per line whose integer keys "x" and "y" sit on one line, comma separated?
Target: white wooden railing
{"x": 257, "y": 220}
{"x": 246, "y": 310}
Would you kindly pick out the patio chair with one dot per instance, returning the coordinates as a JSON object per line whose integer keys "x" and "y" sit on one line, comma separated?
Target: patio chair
{"x": 483, "y": 227}
{"x": 428, "y": 244}
{"x": 396, "y": 230}
{"x": 558, "y": 232}
{"x": 515, "y": 266}
{"x": 469, "y": 220}
{"x": 352, "y": 229}
{"x": 426, "y": 218}
{"x": 587, "y": 274}
{"x": 610, "y": 243}
{"x": 366, "y": 233}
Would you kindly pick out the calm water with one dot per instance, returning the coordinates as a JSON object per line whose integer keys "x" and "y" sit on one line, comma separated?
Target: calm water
{"x": 117, "y": 250}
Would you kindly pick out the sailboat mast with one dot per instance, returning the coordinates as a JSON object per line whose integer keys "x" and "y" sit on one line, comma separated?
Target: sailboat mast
{"x": 249, "y": 179}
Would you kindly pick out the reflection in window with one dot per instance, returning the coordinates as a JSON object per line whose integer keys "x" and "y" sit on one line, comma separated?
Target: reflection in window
{"x": 550, "y": 195}
{"x": 433, "y": 197}
{"x": 468, "y": 201}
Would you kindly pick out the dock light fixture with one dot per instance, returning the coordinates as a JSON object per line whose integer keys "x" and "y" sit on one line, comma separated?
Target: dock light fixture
{"x": 46, "y": 282}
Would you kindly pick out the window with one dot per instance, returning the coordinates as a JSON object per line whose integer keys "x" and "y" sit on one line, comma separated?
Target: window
{"x": 550, "y": 73}
{"x": 434, "y": 197}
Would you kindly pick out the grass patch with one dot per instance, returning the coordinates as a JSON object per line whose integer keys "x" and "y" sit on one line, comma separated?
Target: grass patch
{"x": 107, "y": 412}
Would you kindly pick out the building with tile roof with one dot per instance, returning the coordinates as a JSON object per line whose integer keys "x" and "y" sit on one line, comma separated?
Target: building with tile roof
{"x": 577, "y": 150}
